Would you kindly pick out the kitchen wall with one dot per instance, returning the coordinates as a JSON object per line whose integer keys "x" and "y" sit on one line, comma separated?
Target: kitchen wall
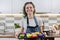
{"x": 8, "y": 20}
{"x": 7, "y": 23}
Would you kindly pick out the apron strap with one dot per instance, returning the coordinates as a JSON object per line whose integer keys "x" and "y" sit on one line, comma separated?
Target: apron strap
{"x": 35, "y": 20}
{"x": 27, "y": 21}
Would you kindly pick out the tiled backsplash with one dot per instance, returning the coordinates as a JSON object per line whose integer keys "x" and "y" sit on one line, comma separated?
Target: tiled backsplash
{"x": 7, "y": 21}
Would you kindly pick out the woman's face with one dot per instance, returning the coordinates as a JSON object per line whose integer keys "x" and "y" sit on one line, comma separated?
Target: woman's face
{"x": 29, "y": 9}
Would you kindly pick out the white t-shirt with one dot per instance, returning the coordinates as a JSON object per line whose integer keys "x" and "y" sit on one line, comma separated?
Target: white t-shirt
{"x": 23, "y": 22}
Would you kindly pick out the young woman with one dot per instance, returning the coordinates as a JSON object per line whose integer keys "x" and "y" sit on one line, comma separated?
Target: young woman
{"x": 30, "y": 23}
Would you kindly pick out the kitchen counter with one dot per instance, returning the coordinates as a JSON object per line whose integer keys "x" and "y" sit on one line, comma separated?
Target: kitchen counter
{"x": 12, "y": 36}
{"x": 53, "y": 35}
{"x": 7, "y": 36}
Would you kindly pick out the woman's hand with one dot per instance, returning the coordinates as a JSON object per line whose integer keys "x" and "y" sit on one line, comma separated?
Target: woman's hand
{"x": 16, "y": 35}
{"x": 45, "y": 33}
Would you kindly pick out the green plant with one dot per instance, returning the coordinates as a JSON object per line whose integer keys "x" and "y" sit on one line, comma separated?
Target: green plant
{"x": 16, "y": 25}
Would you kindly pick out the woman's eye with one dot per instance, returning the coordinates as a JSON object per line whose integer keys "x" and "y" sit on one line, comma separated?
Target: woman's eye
{"x": 27, "y": 8}
{"x": 30, "y": 7}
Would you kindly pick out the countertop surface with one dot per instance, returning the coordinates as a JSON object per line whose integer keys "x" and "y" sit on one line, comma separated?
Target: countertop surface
{"x": 12, "y": 36}
{"x": 7, "y": 36}
{"x": 54, "y": 35}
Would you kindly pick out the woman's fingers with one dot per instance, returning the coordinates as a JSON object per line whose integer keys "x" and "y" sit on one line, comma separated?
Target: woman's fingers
{"x": 16, "y": 35}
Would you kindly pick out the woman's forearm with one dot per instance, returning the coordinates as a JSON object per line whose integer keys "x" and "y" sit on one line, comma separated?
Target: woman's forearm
{"x": 22, "y": 29}
{"x": 42, "y": 28}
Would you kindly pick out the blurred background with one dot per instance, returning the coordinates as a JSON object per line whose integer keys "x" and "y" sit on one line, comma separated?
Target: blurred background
{"x": 11, "y": 13}
{"x": 16, "y": 6}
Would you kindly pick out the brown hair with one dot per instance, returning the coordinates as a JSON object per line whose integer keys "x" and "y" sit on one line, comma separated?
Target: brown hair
{"x": 24, "y": 12}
